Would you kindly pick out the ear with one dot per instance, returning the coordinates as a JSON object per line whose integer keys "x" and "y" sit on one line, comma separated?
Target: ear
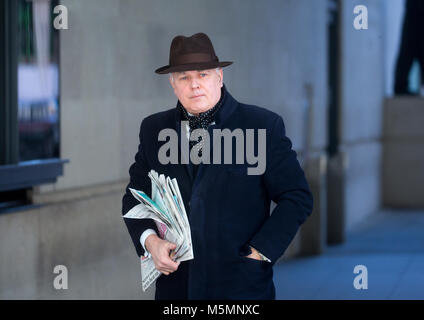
{"x": 221, "y": 72}
{"x": 173, "y": 85}
{"x": 170, "y": 81}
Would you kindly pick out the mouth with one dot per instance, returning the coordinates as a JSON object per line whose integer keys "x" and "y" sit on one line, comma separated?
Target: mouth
{"x": 196, "y": 97}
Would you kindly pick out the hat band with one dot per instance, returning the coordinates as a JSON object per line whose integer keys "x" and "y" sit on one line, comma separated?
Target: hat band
{"x": 193, "y": 58}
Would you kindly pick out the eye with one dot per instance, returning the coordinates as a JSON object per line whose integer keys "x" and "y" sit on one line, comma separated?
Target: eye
{"x": 203, "y": 75}
{"x": 183, "y": 78}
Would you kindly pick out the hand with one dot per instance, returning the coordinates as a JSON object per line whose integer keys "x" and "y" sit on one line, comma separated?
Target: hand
{"x": 160, "y": 250}
{"x": 254, "y": 255}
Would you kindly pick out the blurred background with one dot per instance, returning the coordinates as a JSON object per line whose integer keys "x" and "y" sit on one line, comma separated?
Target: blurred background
{"x": 72, "y": 100}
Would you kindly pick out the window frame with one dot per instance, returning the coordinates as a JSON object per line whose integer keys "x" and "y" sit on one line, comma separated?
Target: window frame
{"x": 16, "y": 175}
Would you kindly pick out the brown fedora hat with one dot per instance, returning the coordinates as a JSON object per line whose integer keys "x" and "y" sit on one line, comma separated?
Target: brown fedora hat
{"x": 192, "y": 53}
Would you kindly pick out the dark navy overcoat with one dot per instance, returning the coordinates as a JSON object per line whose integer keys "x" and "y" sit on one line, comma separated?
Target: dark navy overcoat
{"x": 228, "y": 209}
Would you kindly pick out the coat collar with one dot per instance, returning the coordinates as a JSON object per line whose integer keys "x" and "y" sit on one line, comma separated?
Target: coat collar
{"x": 228, "y": 107}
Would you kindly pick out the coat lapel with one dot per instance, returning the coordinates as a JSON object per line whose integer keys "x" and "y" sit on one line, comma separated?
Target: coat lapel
{"x": 182, "y": 154}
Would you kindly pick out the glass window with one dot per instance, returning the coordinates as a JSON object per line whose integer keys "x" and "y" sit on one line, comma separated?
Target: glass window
{"x": 38, "y": 81}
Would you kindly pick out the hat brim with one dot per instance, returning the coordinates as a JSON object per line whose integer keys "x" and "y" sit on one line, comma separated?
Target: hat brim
{"x": 192, "y": 66}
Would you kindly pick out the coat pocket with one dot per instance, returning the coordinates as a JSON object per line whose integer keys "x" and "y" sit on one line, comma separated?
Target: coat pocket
{"x": 245, "y": 251}
{"x": 255, "y": 273}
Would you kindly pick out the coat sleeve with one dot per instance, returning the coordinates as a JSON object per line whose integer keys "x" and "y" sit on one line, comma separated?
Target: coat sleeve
{"x": 287, "y": 186}
{"x": 139, "y": 180}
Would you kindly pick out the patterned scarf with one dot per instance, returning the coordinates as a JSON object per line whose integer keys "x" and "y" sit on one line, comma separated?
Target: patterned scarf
{"x": 201, "y": 121}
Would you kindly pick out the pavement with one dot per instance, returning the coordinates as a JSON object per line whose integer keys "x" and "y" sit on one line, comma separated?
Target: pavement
{"x": 390, "y": 244}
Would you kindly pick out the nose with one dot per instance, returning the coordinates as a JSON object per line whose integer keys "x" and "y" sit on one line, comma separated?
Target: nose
{"x": 194, "y": 84}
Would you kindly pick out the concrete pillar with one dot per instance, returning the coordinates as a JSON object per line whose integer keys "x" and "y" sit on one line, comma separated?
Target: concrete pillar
{"x": 336, "y": 208}
{"x": 314, "y": 231}
{"x": 403, "y": 153}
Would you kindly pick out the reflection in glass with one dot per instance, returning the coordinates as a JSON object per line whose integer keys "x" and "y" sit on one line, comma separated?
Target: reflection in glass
{"x": 38, "y": 81}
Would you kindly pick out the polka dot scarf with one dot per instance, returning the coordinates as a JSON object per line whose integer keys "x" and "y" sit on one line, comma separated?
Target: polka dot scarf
{"x": 201, "y": 121}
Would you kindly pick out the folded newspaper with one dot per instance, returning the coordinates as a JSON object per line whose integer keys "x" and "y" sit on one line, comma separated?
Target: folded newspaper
{"x": 166, "y": 208}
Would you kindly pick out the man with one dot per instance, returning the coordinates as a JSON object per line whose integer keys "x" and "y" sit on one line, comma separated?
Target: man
{"x": 235, "y": 239}
{"x": 411, "y": 46}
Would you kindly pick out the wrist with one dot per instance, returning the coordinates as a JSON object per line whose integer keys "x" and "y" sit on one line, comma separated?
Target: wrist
{"x": 255, "y": 253}
{"x": 149, "y": 242}
{"x": 258, "y": 255}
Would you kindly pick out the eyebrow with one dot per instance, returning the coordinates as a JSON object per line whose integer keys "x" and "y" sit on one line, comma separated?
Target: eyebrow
{"x": 183, "y": 72}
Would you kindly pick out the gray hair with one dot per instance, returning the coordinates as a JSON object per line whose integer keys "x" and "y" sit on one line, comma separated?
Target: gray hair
{"x": 172, "y": 77}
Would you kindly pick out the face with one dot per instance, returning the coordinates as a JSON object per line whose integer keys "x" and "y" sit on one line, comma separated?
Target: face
{"x": 198, "y": 91}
